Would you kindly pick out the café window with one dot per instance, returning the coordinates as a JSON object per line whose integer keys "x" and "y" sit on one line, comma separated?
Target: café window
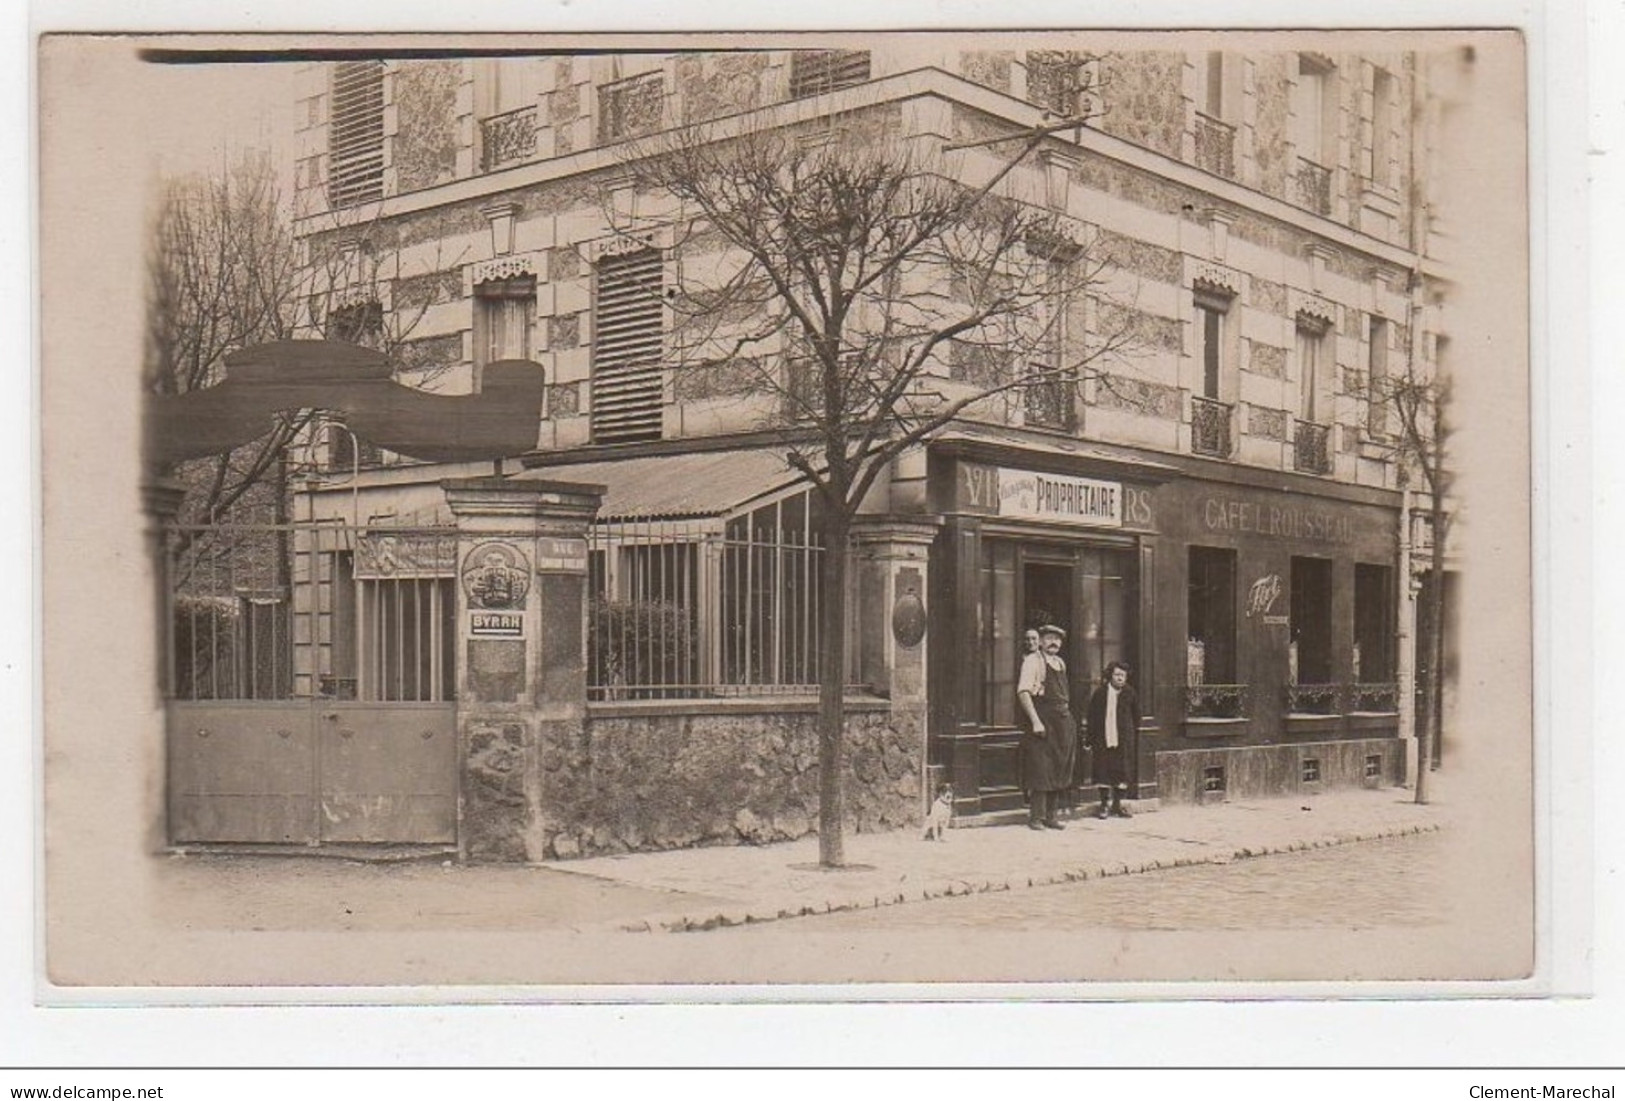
{"x": 1310, "y": 652}
{"x": 1211, "y": 617}
{"x": 1373, "y": 624}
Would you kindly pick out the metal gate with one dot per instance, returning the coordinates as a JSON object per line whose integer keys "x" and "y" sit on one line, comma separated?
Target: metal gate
{"x": 312, "y": 679}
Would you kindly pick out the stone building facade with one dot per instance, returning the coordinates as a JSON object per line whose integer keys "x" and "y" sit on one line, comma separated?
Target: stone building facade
{"x": 1264, "y": 221}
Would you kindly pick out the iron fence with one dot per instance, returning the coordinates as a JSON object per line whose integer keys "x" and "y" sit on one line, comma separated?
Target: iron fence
{"x": 310, "y": 610}
{"x": 707, "y": 608}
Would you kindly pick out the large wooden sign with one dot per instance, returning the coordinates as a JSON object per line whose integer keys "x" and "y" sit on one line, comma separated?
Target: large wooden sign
{"x": 499, "y": 421}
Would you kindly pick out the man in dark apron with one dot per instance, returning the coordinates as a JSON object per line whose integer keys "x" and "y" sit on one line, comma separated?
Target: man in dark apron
{"x": 1048, "y": 737}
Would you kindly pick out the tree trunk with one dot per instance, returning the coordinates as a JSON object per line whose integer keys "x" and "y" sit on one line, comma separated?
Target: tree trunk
{"x": 832, "y": 694}
{"x": 1436, "y": 672}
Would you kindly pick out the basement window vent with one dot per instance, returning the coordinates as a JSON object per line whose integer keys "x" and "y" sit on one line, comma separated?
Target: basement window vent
{"x": 1311, "y": 770}
{"x": 1373, "y": 767}
{"x": 1213, "y": 778}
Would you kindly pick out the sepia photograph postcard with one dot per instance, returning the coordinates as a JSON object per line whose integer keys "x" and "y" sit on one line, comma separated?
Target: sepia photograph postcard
{"x": 1031, "y": 513}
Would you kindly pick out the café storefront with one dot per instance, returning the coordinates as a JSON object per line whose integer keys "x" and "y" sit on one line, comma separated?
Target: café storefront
{"x": 1256, "y": 610}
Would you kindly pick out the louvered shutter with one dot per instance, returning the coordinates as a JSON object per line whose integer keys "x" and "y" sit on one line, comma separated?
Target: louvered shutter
{"x": 627, "y": 344}
{"x": 355, "y": 141}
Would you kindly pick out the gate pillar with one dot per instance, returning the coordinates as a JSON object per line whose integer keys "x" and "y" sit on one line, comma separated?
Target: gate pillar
{"x": 892, "y": 555}
{"x": 521, "y": 656}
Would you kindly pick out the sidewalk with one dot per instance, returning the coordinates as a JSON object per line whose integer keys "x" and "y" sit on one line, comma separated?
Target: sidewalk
{"x": 775, "y": 882}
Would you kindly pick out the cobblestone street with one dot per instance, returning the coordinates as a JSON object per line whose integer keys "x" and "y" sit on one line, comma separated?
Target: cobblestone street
{"x": 1394, "y": 882}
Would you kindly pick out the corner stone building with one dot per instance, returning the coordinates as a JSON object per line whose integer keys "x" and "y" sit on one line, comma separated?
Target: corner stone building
{"x": 1221, "y": 508}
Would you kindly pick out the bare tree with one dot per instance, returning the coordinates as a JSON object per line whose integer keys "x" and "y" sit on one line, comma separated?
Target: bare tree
{"x": 857, "y": 280}
{"x": 222, "y": 274}
{"x": 225, "y": 272}
{"x": 1421, "y": 404}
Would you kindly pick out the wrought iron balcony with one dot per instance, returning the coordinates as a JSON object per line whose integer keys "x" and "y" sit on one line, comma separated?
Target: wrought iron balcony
{"x": 1210, "y": 427}
{"x": 1311, "y": 448}
{"x": 1314, "y": 186}
{"x": 508, "y": 138}
{"x": 1048, "y": 404}
{"x": 1215, "y": 146}
{"x": 1314, "y": 699}
{"x": 1216, "y": 701}
{"x": 1379, "y": 698}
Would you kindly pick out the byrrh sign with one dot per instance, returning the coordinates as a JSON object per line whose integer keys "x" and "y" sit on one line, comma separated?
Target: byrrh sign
{"x": 1031, "y": 495}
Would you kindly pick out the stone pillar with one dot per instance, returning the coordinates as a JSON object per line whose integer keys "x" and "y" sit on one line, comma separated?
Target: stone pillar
{"x": 891, "y": 559}
{"x": 521, "y": 656}
{"x": 161, "y": 500}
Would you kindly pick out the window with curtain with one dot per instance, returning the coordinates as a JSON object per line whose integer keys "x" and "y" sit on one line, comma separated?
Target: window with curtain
{"x": 505, "y": 310}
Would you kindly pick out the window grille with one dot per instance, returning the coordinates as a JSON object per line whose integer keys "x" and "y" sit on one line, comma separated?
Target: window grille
{"x": 1311, "y": 770}
{"x": 408, "y": 633}
{"x": 355, "y": 142}
{"x": 1213, "y": 779}
{"x": 627, "y": 391}
{"x": 814, "y": 72}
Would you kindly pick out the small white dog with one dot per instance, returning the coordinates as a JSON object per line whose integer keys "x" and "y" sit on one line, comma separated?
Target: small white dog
{"x": 941, "y": 814}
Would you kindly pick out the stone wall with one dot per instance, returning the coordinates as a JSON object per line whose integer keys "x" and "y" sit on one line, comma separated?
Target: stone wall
{"x": 1144, "y": 98}
{"x": 1253, "y": 772}
{"x": 661, "y": 780}
{"x": 426, "y": 135}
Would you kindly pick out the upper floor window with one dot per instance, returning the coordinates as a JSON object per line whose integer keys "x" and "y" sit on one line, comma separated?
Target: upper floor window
{"x": 1210, "y": 416}
{"x": 1312, "y": 437}
{"x": 1383, "y": 92}
{"x": 506, "y": 91}
{"x": 504, "y": 314}
{"x": 813, "y": 72}
{"x": 1314, "y": 113}
{"x": 355, "y": 133}
{"x": 628, "y": 343}
{"x": 1377, "y": 379}
{"x": 1311, "y": 347}
{"x": 1215, "y": 132}
{"x": 631, "y": 107}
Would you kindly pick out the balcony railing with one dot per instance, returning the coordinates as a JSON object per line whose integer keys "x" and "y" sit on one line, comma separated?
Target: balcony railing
{"x": 1216, "y": 701}
{"x": 1314, "y": 699}
{"x": 1379, "y": 698}
{"x": 1210, "y": 427}
{"x": 1314, "y": 186}
{"x": 1048, "y": 404}
{"x": 1311, "y": 448}
{"x": 508, "y": 138}
{"x": 1215, "y": 146}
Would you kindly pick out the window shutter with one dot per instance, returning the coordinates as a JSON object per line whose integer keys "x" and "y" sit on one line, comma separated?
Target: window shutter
{"x": 627, "y": 344}
{"x": 355, "y": 141}
{"x": 813, "y": 72}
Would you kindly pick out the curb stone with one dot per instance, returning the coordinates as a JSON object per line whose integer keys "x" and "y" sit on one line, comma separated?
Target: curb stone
{"x": 750, "y": 916}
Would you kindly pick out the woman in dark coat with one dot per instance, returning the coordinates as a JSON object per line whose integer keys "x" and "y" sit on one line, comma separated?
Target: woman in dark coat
{"x": 1112, "y": 721}
{"x": 1047, "y": 740}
